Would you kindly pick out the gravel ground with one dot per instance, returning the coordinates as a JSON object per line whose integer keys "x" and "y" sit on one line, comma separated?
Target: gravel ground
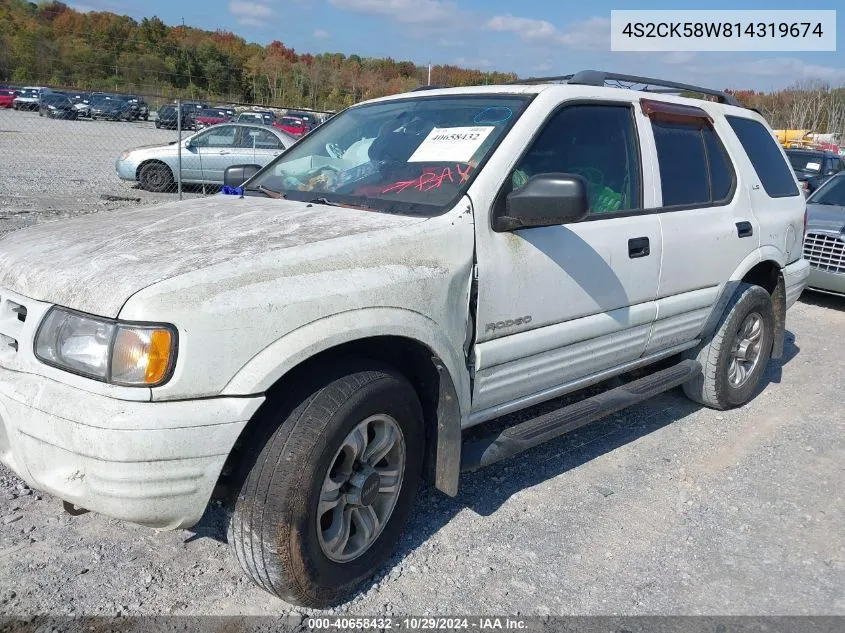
{"x": 666, "y": 508}
{"x": 51, "y": 169}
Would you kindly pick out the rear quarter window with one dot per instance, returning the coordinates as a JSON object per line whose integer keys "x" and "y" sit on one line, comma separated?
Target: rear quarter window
{"x": 764, "y": 153}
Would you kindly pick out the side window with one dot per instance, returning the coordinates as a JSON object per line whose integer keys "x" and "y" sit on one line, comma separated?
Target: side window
{"x": 683, "y": 164}
{"x": 217, "y": 136}
{"x": 263, "y": 139}
{"x": 766, "y": 157}
{"x": 694, "y": 166}
{"x": 597, "y": 142}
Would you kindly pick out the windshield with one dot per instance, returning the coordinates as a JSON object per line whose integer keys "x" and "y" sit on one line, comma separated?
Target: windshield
{"x": 806, "y": 162}
{"x": 55, "y": 99}
{"x": 409, "y": 155}
{"x": 832, "y": 192}
{"x": 29, "y": 92}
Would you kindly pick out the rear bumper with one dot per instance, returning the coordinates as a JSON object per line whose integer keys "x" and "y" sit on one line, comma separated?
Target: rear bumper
{"x": 153, "y": 463}
{"x": 795, "y": 280}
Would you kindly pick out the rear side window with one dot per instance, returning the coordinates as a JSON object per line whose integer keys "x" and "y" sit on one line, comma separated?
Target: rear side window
{"x": 694, "y": 167}
{"x": 765, "y": 155}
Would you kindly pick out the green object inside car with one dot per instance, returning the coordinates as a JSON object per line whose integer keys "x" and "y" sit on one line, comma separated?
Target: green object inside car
{"x": 603, "y": 199}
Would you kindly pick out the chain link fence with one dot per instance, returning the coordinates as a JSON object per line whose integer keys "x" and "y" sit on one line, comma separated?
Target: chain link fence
{"x": 65, "y": 152}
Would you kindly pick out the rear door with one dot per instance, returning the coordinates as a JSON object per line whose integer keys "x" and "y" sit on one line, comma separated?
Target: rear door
{"x": 260, "y": 146}
{"x": 706, "y": 220}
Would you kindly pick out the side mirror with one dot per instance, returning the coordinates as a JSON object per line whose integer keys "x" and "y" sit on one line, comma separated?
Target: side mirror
{"x": 545, "y": 200}
{"x": 236, "y": 175}
{"x": 188, "y": 144}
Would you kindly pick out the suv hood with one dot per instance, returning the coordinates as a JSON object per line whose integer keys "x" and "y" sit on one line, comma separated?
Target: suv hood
{"x": 96, "y": 262}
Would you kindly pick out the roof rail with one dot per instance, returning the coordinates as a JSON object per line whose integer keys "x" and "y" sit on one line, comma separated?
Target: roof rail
{"x": 430, "y": 87}
{"x": 599, "y": 78}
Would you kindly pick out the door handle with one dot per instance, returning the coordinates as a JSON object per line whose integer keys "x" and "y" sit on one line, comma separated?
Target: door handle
{"x": 744, "y": 229}
{"x": 638, "y": 247}
{"x": 223, "y": 152}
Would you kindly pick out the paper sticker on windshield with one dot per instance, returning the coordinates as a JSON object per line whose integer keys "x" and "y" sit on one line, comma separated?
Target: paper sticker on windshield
{"x": 813, "y": 166}
{"x": 451, "y": 144}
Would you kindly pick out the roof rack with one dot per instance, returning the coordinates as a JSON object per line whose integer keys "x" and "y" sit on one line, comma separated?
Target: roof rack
{"x": 599, "y": 78}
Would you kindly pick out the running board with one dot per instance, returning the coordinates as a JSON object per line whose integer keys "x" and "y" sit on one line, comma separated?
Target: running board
{"x": 482, "y": 452}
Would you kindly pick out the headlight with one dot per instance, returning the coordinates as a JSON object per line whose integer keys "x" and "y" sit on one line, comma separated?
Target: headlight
{"x": 124, "y": 155}
{"x": 51, "y": 107}
{"x": 104, "y": 349}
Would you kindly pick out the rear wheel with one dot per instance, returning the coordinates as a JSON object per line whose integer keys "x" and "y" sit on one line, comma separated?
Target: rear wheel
{"x": 156, "y": 177}
{"x": 324, "y": 503}
{"x": 734, "y": 359}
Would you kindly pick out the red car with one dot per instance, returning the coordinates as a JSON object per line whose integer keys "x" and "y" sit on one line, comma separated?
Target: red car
{"x": 211, "y": 116}
{"x": 7, "y": 96}
{"x": 292, "y": 125}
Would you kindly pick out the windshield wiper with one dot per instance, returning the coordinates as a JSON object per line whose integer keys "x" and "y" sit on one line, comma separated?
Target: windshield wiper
{"x": 324, "y": 201}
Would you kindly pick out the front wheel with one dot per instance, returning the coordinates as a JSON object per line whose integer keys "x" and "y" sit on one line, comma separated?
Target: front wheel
{"x": 734, "y": 359}
{"x": 324, "y": 503}
{"x": 156, "y": 177}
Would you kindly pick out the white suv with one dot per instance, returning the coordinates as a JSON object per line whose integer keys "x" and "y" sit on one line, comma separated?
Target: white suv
{"x": 309, "y": 349}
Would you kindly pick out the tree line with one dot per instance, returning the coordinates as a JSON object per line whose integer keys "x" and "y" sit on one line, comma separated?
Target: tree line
{"x": 50, "y": 43}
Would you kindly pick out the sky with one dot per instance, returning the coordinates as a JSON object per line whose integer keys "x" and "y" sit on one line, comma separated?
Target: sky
{"x": 531, "y": 38}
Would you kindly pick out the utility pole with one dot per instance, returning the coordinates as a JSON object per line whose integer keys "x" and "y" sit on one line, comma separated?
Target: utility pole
{"x": 429, "y": 73}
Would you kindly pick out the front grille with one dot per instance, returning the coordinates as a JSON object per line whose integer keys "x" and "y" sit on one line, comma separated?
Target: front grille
{"x": 825, "y": 252}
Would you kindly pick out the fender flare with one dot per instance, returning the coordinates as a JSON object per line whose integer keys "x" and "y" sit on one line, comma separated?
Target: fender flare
{"x": 271, "y": 364}
{"x": 762, "y": 254}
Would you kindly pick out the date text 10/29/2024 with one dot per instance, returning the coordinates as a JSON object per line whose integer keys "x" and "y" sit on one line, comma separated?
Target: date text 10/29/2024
{"x": 418, "y": 624}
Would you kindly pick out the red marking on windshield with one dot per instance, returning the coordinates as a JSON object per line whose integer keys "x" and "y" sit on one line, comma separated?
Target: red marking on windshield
{"x": 430, "y": 179}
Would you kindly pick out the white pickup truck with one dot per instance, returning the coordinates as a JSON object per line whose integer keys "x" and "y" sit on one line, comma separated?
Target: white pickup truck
{"x": 308, "y": 350}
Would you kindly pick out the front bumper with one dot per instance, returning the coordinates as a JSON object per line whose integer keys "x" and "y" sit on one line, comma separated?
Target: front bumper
{"x": 826, "y": 281}
{"x": 127, "y": 169}
{"x": 795, "y": 280}
{"x": 153, "y": 463}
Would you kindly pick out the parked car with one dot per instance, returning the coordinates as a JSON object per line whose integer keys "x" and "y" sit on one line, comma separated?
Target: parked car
{"x": 210, "y": 116}
{"x": 824, "y": 245}
{"x": 264, "y": 118}
{"x": 140, "y": 109}
{"x": 307, "y": 351}
{"x": 29, "y": 97}
{"x": 205, "y": 156}
{"x": 111, "y": 108}
{"x": 81, "y": 103}
{"x": 292, "y": 125}
{"x": 813, "y": 167}
{"x": 168, "y": 118}
{"x": 57, "y": 106}
{"x": 310, "y": 118}
{"x": 7, "y": 97}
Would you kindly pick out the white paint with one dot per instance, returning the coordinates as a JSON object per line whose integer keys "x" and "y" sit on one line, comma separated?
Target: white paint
{"x": 255, "y": 286}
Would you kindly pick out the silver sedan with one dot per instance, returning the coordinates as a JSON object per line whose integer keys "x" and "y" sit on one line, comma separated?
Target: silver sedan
{"x": 824, "y": 244}
{"x": 205, "y": 155}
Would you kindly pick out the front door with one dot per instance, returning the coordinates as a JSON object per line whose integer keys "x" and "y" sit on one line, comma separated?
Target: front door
{"x": 559, "y": 305}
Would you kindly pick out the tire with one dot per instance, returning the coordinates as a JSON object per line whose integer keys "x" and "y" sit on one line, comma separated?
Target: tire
{"x": 156, "y": 177}
{"x": 274, "y": 529}
{"x": 726, "y": 381}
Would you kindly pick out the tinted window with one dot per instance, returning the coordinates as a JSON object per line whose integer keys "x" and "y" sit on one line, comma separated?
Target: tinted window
{"x": 597, "y": 142}
{"x": 765, "y": 155}
{"x": 721, "y": 170}
{"x": 683, "y": 164}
